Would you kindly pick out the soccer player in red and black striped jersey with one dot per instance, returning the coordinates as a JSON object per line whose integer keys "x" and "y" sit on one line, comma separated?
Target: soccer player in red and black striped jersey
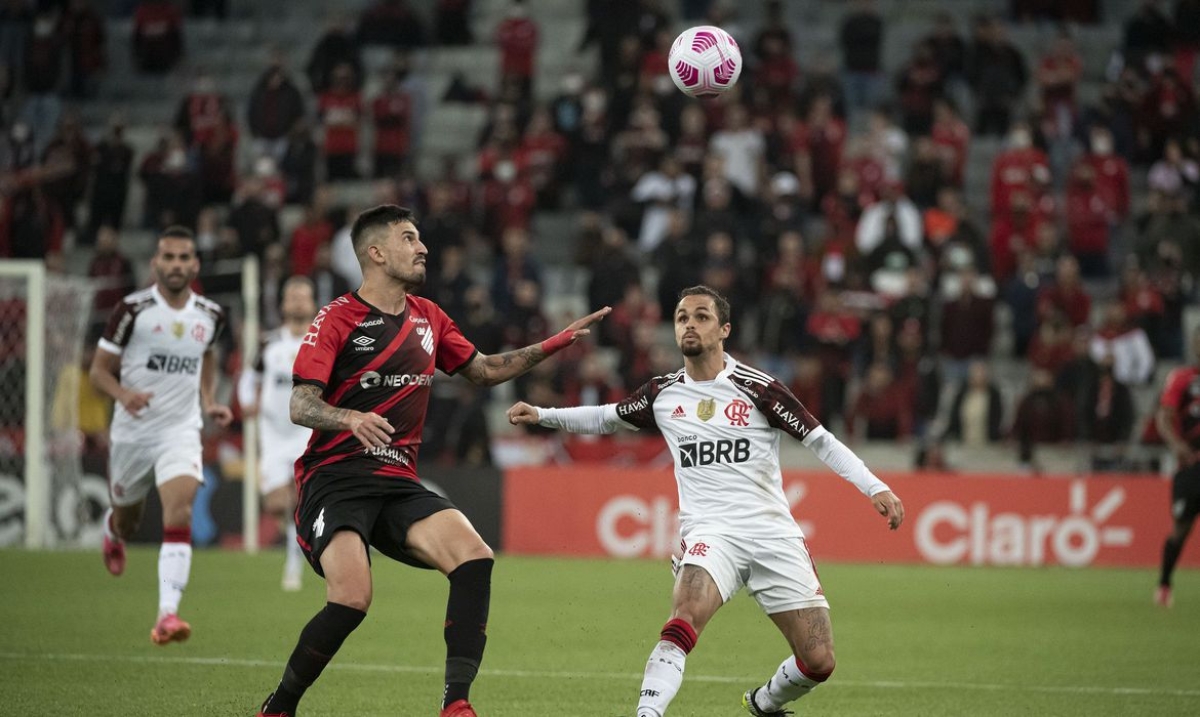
{"x": 1179, "y": 424}
{"x": 362, "y": 381}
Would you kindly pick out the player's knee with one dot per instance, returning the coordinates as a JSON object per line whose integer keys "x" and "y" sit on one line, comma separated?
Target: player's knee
{"x": 178, "y": 515}
{"x": 481, "y": 552}
{"x": 359, "y": 599}
{"x": 818, "y": 662}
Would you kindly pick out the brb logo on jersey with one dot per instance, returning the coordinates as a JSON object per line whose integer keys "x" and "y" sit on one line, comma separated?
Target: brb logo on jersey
{"x": 706, "y": 453}
{"x": 738, "y": 413}
{"x": 166, "y": 363}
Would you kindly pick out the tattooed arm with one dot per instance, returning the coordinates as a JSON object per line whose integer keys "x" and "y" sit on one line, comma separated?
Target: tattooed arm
{"x": 308, "y": 409}
{"x": 484, "y": 370}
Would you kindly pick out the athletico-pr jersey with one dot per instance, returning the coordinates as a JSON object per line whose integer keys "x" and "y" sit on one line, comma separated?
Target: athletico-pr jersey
{"x": 724, "y": 437}
{"x": 161, "y": 350}
{"x": 1182, "y": 392}
{"x": 366, "y": 360}
{"x": 272, "y": 371}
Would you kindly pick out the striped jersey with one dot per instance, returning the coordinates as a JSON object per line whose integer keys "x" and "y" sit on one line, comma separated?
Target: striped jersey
{"x": 1182, "y": 392}
{"x": 724, "y": 437}
{"x": 161, "y": 350}
{"x": 366, "y": 360}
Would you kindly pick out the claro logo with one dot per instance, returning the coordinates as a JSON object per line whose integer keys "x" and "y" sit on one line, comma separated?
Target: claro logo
{"x": 948, "y": 532}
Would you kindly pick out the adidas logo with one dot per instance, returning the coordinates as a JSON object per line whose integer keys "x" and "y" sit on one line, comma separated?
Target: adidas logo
{"x": 679, "y": 412}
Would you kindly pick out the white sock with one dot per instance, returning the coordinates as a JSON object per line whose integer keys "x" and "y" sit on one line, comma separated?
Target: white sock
{"x": 295, "y": 558}
{"x": 787, "y": 684}
{"x": 664, "y": 675}
{"x": 174, "y": 566}
{"x": 108, "y": 531}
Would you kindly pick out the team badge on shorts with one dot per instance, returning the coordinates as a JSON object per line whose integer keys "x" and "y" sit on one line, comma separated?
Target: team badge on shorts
{"x": 706, "y": 409}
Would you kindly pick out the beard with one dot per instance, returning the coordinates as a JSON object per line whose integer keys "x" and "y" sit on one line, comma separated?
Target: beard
{"x": 692, "y": 350}
{"x": 413, "y": 279}
{"x": 176, "y": 282}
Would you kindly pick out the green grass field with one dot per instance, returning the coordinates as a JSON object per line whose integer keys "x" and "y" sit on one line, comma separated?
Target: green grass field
{"x": 570, "y": 637}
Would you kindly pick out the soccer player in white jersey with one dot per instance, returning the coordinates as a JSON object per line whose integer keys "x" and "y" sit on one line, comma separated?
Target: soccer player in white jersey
{"x": 266, "y": 390}
{"x": 722, "y": 420}
{"x": 156, "y": 360}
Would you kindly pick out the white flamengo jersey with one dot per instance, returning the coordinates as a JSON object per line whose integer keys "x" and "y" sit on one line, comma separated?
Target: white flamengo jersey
{"x": 161, "y": 350}
{"x": 273, "y": 370}
{"x": 724, "y": 437}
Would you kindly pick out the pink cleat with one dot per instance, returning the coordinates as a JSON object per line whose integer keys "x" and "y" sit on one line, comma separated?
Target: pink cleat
{"x": 458, "y": 708}
{"x": 1162, "y": 596}
{"x": 114, "y": 555}
{"x": 170, "y": 629}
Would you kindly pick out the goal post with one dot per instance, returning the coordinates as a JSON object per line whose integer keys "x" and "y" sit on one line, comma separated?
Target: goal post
{"x": 43, "y": 323}
{"x": 251, "y": 338}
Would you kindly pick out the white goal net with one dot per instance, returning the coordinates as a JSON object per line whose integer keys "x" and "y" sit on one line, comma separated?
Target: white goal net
{"x": 44, "y": 499}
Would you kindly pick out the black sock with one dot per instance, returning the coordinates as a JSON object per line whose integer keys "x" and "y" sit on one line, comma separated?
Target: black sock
{"x": 1170, "y": 556}
{"x": 319, "y": 641}
{"x": 466, "y": 626}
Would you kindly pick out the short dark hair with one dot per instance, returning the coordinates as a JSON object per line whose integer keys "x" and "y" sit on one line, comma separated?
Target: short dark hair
{"x": 379, "y": 217}
{"x": 177, "y": 231}
{"x": 721, "y": 302}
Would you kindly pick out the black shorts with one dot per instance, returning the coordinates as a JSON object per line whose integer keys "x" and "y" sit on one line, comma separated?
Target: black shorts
{"x": 1185, "y": 493}
{"x": 380, "y": 509}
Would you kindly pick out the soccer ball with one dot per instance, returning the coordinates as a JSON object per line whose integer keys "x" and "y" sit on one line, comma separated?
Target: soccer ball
{"x": 705, "y": 61}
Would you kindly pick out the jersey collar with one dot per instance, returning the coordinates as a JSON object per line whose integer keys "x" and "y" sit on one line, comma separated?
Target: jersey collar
{"x": 191, "y": 300}
{"x": 730, "y": 365}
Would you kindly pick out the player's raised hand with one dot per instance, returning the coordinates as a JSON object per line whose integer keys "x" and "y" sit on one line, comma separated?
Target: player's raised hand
{"x": 522, "y": 413}
{"x": 135, "y": 401}
{"x": 577, "y": 330}
{"x": 371, "y": 429}
{"x": 219, "y": 413}
{"x": 580, "y": 326}
{"x": 890, "y": 507}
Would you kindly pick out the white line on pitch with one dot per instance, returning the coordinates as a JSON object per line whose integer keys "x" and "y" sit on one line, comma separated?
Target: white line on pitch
{"x": 630, "y": 676}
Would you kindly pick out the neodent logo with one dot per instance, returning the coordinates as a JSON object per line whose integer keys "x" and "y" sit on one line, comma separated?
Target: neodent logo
{"x": 372, "y": 379}
{"x": 949, "y": 532}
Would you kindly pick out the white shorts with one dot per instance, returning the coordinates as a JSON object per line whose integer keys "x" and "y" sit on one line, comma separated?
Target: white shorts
{"x": 276, "y": 470}
{"x": 132, "y": 465}
{"x": 778, "y": 573}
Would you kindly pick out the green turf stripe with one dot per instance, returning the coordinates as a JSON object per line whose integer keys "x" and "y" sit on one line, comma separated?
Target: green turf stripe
{"x": 564, "y": 674}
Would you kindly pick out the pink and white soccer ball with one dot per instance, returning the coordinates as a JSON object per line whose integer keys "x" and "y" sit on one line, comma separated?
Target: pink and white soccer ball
{"x": 705, "y": 61}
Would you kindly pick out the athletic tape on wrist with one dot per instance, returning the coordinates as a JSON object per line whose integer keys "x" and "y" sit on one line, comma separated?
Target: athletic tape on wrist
{"x": 557, "y": 342}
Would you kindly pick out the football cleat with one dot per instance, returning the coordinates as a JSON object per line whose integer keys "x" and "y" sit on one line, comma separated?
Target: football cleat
{"x": 458, "y": 708}
{"x": 170, "y": 628}
{"x": 754, "y": 709}
{"x": 1162, "y": 596}
{"x": 262, "y": 711}
{"x": 114, "y": 555}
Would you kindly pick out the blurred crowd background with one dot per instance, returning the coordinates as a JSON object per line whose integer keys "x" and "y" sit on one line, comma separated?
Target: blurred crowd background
{"x": 949, "y": 227}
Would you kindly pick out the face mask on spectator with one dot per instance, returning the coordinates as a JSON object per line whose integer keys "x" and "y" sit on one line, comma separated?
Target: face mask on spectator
{"x": 20, "y": 132}
{"x": 1102, "y": 144}
{"x": 43, "y": 28}
{"x": 1020, "y": 139}
{"x": 176, "y": 159}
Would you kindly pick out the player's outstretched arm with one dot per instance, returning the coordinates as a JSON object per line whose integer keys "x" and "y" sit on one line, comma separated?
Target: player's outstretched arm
{"x": 485, "y": 370}
{"x": 580, "y": 419}
{"x": 309, "y": 410}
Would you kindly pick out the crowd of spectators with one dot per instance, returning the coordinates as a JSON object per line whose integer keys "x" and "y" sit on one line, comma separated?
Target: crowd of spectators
{"x": 829, "y": 201}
